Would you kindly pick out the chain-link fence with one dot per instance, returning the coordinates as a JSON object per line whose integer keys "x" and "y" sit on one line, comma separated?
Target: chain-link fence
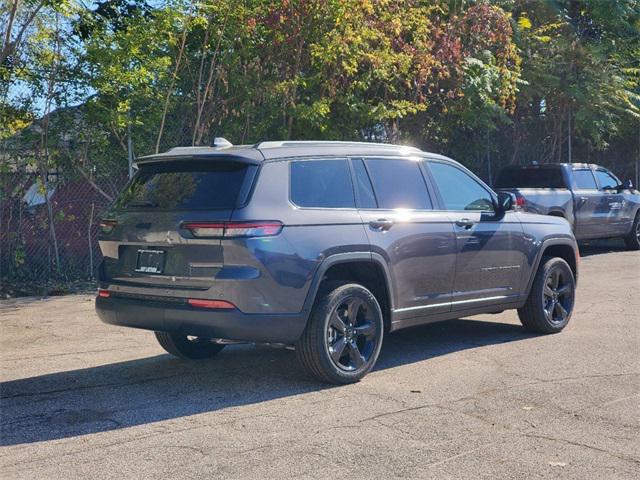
{"x": 48, "y": 227}
{"x": 49, "y": 222}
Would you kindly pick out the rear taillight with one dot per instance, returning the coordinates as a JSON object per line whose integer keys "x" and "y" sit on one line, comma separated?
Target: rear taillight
{"x": 205, "y": 229}
{"x": 252, "y": 229}
{"x": 520, "y": 202}
{"x": 220, "y": 304}
{"x": 232, "y": 229}
{"x": 107, "y": 226}
{"x": 103, "y": 293}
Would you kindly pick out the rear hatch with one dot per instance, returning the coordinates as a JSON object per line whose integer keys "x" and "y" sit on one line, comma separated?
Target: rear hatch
{"x": 145, "y": 238}
{"x": 532, "y": 185}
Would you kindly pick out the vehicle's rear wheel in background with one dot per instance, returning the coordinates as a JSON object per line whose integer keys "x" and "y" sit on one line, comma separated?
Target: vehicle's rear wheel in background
{"x": 343, "y": 337}
{"x": 551, "y": 299}
{"x": 188, "y": 347}
{"x": 633, "y": 239}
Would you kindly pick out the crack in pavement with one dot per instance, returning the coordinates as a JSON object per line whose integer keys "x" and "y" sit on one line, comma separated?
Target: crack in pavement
{"x": 537, "y": 381}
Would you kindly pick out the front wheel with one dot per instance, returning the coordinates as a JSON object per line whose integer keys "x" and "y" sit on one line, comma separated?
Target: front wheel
{"x": 343, "y": 337}
{"x": 188, "y": 347}
{"x": 633, "y": 239}
{"x": 551, "y": 299}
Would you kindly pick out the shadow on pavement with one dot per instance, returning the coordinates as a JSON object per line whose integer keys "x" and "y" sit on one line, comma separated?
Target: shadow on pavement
{"x": 146, "y": 390}
{"x": 598, "y": 247}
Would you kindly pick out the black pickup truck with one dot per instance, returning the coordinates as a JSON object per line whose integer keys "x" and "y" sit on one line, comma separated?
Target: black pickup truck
{"x": 590, "y": 197}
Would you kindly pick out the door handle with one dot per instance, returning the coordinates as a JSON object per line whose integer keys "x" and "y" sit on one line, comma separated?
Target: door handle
{"x": 381, "y": 224}
{"x": 465, "y": 223}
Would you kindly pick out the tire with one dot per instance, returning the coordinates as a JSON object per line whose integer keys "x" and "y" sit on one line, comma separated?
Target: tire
{"x": 633, "y": 239}
{"x": 343, "y": 336}
{"x": 188, "y": 348}
{"x": 551, "y": 300}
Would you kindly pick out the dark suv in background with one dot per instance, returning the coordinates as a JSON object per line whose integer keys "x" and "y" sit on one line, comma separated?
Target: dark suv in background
{"x": 325, "y": 246}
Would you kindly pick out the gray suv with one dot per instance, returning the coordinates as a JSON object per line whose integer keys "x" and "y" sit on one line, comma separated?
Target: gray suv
{"x": 324, "y": 246}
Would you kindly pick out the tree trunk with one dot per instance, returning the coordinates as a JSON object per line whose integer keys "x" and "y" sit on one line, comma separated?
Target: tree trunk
{"x": 43, "y": 155}
{"x": 489, "y": 173}
{"x": 129, "y": 146}
{"x": 170, "y": 90}
{"x": 90, "y": 241}
{"x": 392, "y": 130}
{"x": 52, "y": 228}
{"x": 198, "y": 130}
{"x": 570, "y": 160}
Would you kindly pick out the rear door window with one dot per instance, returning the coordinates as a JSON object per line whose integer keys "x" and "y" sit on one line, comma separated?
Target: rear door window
{"x": 398, "y": 183}
{"x": 322, "y": 184}
{"x": 188, "y": 185}
{"x": 583, "y": 179}
{"x": 366, "y": 197}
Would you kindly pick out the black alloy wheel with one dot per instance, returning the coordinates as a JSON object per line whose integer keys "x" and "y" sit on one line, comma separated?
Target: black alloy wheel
{"x": 351, "y": 335}
{"x": 551, "y": 299}
{"x": 343, "y": 336}
{"x": 558, "y": 296}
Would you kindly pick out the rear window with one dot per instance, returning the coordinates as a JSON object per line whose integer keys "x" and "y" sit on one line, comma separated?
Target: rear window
{"x": 187, "y": 185}
{"x": 322, "y": 184}
{"x": 530, "y": 177}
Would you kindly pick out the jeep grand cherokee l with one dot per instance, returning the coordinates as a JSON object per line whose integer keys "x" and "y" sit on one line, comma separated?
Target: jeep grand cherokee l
{"x": 324, "y": 246}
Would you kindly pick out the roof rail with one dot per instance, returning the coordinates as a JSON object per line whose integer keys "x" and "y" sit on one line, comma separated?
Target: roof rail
{"x": 294, "y": 143}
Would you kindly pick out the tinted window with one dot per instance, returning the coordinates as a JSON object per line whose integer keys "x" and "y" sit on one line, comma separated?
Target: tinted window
{"x": 321, "y": 183}
{"x": 398, "y": 184}
{"x": 187, "y": 185}
{"x": 606, "y": 180}
{"x": 584, "y": 180}
{"x": 459, "y": 191}
{"x": 530, "y": 177}
{"x": 366, "y": 197}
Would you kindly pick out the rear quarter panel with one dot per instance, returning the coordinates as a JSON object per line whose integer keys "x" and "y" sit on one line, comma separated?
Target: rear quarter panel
{"x": 288, "y": 262}
{"x": 547, "y": 201}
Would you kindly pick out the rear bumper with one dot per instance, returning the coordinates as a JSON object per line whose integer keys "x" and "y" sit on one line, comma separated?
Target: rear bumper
{"x": 184, "y": 319}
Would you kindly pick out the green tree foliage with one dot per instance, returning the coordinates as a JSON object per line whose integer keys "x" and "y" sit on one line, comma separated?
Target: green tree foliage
{"x": 502, "y": 81}
{"x": 580, "y": 62}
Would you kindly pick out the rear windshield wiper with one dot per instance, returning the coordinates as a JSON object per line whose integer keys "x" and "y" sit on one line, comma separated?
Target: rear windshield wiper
{"x": 141, "y": 203}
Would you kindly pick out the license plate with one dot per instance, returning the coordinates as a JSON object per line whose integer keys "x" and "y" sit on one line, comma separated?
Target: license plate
{"x": 150, "y": 261}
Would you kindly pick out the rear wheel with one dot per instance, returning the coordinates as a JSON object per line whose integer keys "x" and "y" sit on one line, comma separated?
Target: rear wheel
{"x": 552, "y": 297}
{"x": 188, "y": 347}
{"x": 633, "y": 239}
{"x": 343, "y": 337}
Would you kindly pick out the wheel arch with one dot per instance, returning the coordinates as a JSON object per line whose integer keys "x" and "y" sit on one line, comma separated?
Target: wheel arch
{"x": 366, "y": 268}
{"x": 564, "y": 248}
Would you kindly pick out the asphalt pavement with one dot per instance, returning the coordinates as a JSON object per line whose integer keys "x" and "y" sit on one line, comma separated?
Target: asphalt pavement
{"x": 471, "y": 398}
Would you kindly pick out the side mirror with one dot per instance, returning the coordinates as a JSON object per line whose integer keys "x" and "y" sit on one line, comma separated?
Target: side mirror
{"x": 626, "y": 185}
{"x": 506, "y": 201}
